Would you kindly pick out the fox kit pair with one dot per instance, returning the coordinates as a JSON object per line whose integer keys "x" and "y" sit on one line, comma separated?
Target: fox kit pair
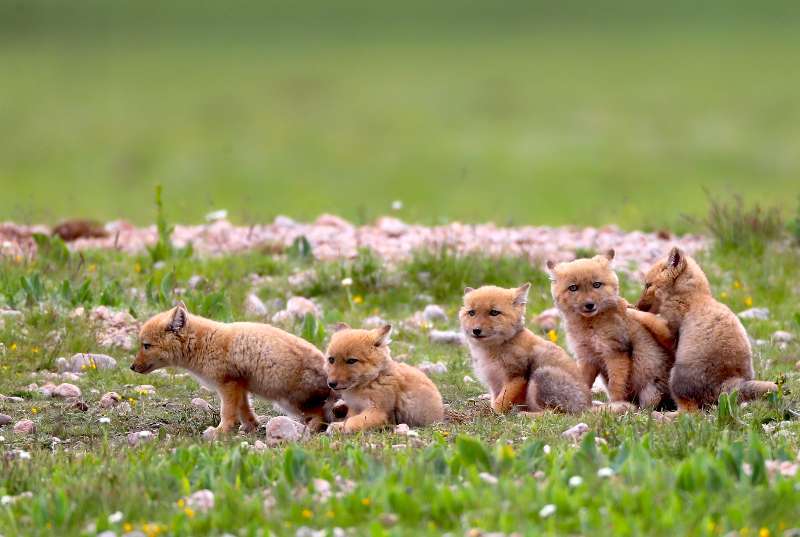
{"x": 517, "y": 366}
{"x": 713, "y": 353}
{"x": 240, "y": 358}
{"x": 605, "y": 335}
{"x": 378, "y": 391}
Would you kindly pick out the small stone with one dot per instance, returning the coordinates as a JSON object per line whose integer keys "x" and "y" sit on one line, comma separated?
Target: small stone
{"x": 5, "y": 419}
{"x": 782, "y": 336}
{"x": 485, "y": 397}
{"x": 548, "y": 320}
{"x": 24, "y": 427}
{"x": 283, "y": 429}
{"x": 468, "y": 379}
{"x": 429, "y": 368}
{"x": 195, "y": 281}
{"x": 374, "y": 322}
{"x": 300, "y": 306}
{"x": 434, "y": 312}
{"x": 260, "y": 446}
{"x": 402, "y": 428}
{"x": 389, "y": 520}
{"x": 82, "y": 362}
{"x": 761, "y": 314}
{"x": 210, "y": 434}
{"x": 201, "y": 501}
{"x": 145, "y": 389}
{"x": 67, "y": 391}
{"x": 576, "y": 432}
{"x": 201, "y": 404}
{"x": 80, "y": 405}
{"x": 110, "y": 399}
{"x": 488, "y": 478}
{"x": 448, "y": 337}
{"x": 140, "y": 437}
{"x": 254, "y": 306}
{"x": 47, "y": 390}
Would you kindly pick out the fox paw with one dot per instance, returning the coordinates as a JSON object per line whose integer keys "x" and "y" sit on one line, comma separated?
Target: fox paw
{"x": 248, "y": 427}
{"x": 335, "y": 427}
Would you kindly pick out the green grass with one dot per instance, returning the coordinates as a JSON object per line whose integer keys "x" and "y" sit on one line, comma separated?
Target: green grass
{"x": 518, "y": 112}
{"x": 681, "y": 478}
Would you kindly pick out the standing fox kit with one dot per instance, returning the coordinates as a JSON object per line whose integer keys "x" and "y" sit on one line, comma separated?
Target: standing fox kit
{"x": 378, "y": 391}
{"x": 238, "y": 358}
{"x": 608, "y": 340}
{"x": 713, "y": 353}
{"x": 517, "y": 366}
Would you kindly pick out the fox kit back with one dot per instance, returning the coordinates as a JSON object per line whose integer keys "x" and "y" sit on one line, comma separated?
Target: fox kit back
{"x": 713, "y": 353}
{"x": 518, "y": 367}
{"x": 607, "y": 340}
{"x": 378, "y": 391}
{"x": 238, "y": 358}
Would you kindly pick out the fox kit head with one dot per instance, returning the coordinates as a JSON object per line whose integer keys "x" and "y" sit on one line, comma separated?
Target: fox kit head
{"x": 585, "y": 286}
{"x": 161, "y": 339}
{"x": 356, "y": 357}
{"x": 493, "y": 314}
{"x": 674, "y": 276}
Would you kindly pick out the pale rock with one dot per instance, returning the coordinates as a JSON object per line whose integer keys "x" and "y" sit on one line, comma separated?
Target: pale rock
{"x": 201, "y": 501}
{"x": 434, "y": 312}
{"x": 145, "y": 389}
{"x": 300, "y": 306}
{"x": 283, "y": 429}
{"x": 110, "y": 399}
{"x": 429, "y": 368}
{"x": 48, "y": 389}
{"x": 548, "y": 320}
{"x": 468, "y": 380}
{"x": 374, "y": 321}
{"x": 282, "y": 317}
{"x": 140, "y": 437}
{"x": 260, "y": 446}
{"x": 67, "y": 391}
{"x": 402, "y": 428}
{"x": 195, "y": 281}
{"x": 576, "y": 432}
{"x": 488, "y": 478}
{"x": 761, "y": 314}
{"x": 81, "y": 362}
{"x": 782, "y": 336}
{"x": 5, "y": 419}
{"x": 448, "y": 337}
{"x": 24, "y": 427}
{"x": 254, "y": 306}
{"x": 210, "y": 434}
{"x": 201, "y": 404}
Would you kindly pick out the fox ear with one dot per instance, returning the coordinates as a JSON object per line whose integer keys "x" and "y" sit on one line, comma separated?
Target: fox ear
{"x": 521, "y": 294}
{"x": 338, "y": 327}
{"x": 609, "y": 254}
{"x": 180, "y": 317}
{"x": 468, "y": 290}
{"x": 676, "y": 259}
{"x": 383, "y": 335}
{"x": 550, "y": 268}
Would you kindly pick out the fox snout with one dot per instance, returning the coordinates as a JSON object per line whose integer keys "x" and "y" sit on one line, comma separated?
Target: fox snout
{"x": 589, "y": 307}
{"x": 332, "y": 384}
{"x": 476, "y": 331}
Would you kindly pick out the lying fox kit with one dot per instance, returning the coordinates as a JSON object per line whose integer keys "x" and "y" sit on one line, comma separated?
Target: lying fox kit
{"x": 517, "y": 366}
{"x": 378, "y": 391}
{"x": 607, "y": 340}
{"x": 236, "y": 359}
{"x": 713, "y": 353}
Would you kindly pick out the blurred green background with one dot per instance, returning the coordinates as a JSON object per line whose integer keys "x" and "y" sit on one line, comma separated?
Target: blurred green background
{"x": 518, "y": 112}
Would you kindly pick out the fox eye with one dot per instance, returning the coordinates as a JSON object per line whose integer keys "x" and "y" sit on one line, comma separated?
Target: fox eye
{"x": 597, "y": 285}
{"x": 494, "y": 313}
{"x": 648, "y": 285}
{"x": 471, "y": 313}
{"x": 331, "y": 359}
{"x": 573, "y": 288}
{"x": 146, "y": 346}
{"x": 351, "y": 361}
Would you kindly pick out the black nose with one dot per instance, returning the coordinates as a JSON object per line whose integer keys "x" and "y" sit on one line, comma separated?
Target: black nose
{"x": 476, "y": 331}
{"x": 133, "y": 367}
{"x": 333, "y": 384}
{"x": 589, "y": 306}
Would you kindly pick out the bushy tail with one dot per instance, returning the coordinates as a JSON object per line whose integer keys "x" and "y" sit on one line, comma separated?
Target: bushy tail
{"x": 749, "y": 389}
{"x": 550, "y": 387}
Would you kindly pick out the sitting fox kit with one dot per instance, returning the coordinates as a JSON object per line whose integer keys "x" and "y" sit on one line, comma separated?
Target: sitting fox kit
{"x": 713, "y": 353}
{"x": 517, "y": 366}
{"x": 236, "y": 359}
{"x": 378, "y": 391}
{"x": 608, "y": 340}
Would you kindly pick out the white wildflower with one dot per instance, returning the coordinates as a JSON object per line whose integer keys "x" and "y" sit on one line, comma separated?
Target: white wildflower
{"x": 115, "y": 518}
{"x": 547, "y": 510}
{"x": 575, "y": 481}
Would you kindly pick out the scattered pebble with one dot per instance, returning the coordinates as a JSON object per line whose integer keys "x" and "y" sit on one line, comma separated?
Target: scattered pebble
{"x": 576, "y": 432}
{"x": 201, "y": 404}
{"x": 300, "y": 307}
{"x": 104, "y": 420}
{"x": 5, "y": 419}
{"x": 434, "y": 312}
{"x": 374, "y": 321}
{"x": 283, "y": 429}
{"x": 429, "y": 368}
{"x": 67, "y": 391}
{"x": 210, "y": 434}
{"x": 468, "y": 379}
{"x": 24, "y": 427}
{"x": 201, "y": 501}
{"x": 782, "y": 336}
{"x": 260, "y": 446}
{"x": 448, "y": 337}
{"x": 81, "y": 362}
{"x": 115, "y": 329}
{"x": 254, "y": 306}
{"x": 761, "y": 314}
{"x": 195, "y": 281}
{"x": 140, "y": 437}
{"x": 110, "y": 399}
{"x": 145, "y": 389}
{"x": 548, "y": 320}
{"x": 488, "y": 478}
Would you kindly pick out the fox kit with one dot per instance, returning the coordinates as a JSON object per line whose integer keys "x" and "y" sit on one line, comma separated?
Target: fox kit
{"x": 606, "y": 339}
{"x": 378, "y": 391}
{"x": 238, "y": 358}
{"x": 713, "y": 353}
{"x": 517, "y": 366}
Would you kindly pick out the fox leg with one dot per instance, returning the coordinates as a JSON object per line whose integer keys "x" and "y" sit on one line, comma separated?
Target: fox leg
{"x": 368, "y": 419}
{"x": 246, "y": 415}
{"x": 619, "y": 372}
{"x": 657, "y": 326}
{"x": 231, "y": 395}
{"x": 589, "y": 372}
{"x": 513, "y": 392}
{"x": 315, "y": 418}
{"x": 749, "y": 389}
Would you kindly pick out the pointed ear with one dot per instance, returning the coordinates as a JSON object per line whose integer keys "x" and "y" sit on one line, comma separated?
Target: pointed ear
{"x": 179, "y": 320}
{"x": 468, "y": 290}
{"x": 338, "y": 327}
{"x": 609, "y": 254}
{"x": 521, "y": 294}
{"x": 550, "y": 268}
{"x": 676, "y": 259}
{"x": 383, "y": 335}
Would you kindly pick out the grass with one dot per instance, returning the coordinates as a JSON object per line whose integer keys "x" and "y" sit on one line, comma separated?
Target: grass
{"x": 681, "y": 478}
{"x": 523, "y": 112}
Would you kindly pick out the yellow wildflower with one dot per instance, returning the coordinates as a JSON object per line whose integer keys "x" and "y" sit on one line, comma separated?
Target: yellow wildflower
{"x": 34, "y": 350}
{"x": 92, "y": 267}
{"x": 748, "y": 301}
{"x": 330, "y": 514}
{"x": 365, "y": 501}
{"x": 723, "y": 295}
{"x": 181, "y": 503}
{"x": 763, "y": 532}
{"x": 13, "y": 347}
{"x": 552, "y": 335}
{"x": 737, "y": 284}
{"x": 18, "y": 258}
{"x": 34, "y": 410}
{"x": 189, "y": 512}
{"x": 358, "y": 299}
{"x": 137, "y": 267}
{"x": 127, "y": 527}
{"x": 307, "y": 513}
